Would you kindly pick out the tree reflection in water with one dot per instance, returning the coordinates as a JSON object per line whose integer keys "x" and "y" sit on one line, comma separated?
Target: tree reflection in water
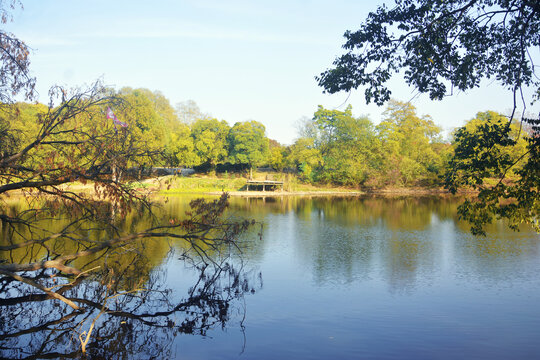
{"x": 114, "y": 323}
{"x": 124, "y": 305}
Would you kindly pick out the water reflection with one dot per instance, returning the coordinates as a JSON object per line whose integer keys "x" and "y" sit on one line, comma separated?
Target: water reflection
{"x": 125, "y": 301}
{"x": 344, "y": 277}
{"x": 403, "y": 240}
{"x": 140, "y": 323}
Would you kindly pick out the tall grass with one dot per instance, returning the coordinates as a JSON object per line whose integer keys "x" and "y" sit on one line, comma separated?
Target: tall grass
{"x": 202, "y": 184}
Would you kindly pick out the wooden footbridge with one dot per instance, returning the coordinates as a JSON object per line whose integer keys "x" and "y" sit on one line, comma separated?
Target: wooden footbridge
{"x": 265, "y": 184}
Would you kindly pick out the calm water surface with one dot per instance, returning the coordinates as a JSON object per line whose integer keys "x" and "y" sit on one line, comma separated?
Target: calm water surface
{"x": 343, "y": 278}
{"x": 351, "y": 278}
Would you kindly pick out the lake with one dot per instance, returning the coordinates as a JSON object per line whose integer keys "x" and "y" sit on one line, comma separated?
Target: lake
{"x": 325, "y": 277}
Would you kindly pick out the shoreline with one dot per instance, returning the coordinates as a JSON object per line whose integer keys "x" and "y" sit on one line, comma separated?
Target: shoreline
{"x": 381, "y": 192}
{"x": 236, "y": 188}
{"x": 215, "y": 187}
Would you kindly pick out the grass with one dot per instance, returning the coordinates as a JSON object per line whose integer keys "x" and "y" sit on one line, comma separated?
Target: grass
{"x": 301, "y": 187}
{"x": 234, "y": 183}
{"x": 200, "y": 184}
{"x": 230, "y": 183}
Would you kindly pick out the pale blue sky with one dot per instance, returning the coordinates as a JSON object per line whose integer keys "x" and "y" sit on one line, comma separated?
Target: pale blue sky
{"x": 239, "y": 60}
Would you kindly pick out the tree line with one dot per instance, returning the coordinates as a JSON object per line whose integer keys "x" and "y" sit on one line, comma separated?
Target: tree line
{"x": 333, "y": 147}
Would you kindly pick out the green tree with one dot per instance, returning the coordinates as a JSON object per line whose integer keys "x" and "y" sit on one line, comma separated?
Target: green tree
{"x": 446, "y": 45}
{"x": 468, "y": 145}
{"x": 407, "y": 144}
{"x": 161, "y": 106}
{"x": 490, "y": 156}
{"x": 305, "y": 157}
{"x": 145, "y": 125}
{"x": 248, "y": 144}
{"x": 276, "y": 156}
{"x": 210, "y": 141}
{"x": 346, "y": 144}
{"x": 176, "y": 142}
{"x": 180, "y": 149}
{"x": 20, "y": 120}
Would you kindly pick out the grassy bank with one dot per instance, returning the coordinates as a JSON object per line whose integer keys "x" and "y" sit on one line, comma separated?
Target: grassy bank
{"x": 200, "y": 184}
{"x": 234, "y": 185}
{"x": 237, "y": 186}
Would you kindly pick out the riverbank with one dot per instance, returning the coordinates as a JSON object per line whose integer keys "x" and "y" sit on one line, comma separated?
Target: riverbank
{"x": 170, "y": 185}
{"x": 208, "y": 185}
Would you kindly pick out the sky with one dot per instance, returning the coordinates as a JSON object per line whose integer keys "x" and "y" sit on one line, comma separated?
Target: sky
{"x": 238, "y": 60}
